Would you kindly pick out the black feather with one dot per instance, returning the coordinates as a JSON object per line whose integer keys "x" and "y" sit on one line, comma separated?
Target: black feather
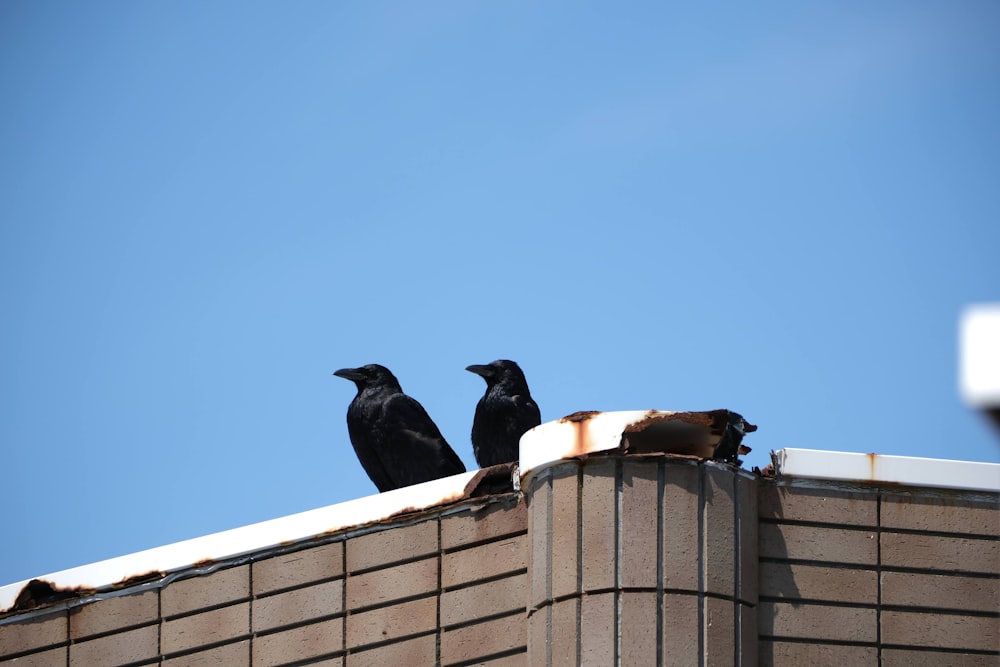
{"x": 503, "y": 414}
{"x": 396, "y": 441}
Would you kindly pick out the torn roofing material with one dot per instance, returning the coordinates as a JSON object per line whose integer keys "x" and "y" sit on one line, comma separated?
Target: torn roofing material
{"x": 713, "y": 434}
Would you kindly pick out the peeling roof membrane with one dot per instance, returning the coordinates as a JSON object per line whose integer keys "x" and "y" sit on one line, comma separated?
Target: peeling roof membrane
{"x": 903, "y": 470}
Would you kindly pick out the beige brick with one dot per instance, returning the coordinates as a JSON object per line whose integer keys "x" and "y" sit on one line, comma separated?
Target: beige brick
{"x": 918, "y": 658}
{"x": 786, "y": 503}
{"x": 229, "y": 655}
{"x": 940, "y": 591}
{"x": 815, "y": 582}
{"x": 303, "y": 604}
{"x": 484, "y": 522}
{"x": 209, "y": 627}
{"x": 380, "y": 586}
{"x": 540, "y": 540}
{"x": 746, "y": 519}
{"x": 208, "y": 590}
{"x": 565, "y": 639}
{"x": 824, "y": 545}
{"x": 474, "y": 602}
{"x": 940, "y": 630}
{"x": 399, "y": 620}
{"x": 539, "y": 647}
{"x": 680, "y": 527}
{"x": 598, "y": 521}
{"x": 297, "y": 568}
{"x": 640, "y": 528}
{"x": 946, "y": 515}
{"x": 514, "y": 660}
{"x": 392, "y": 545}
{"x": 565, "y": 569}
{"x": 680, "y": 630}
{"x": 934, "y": 552}
{"x": 418, "y": 651}
{"x": 638, "y": 627}
{"x": 788, "y": 654}
{"x": 720, "y": 631}
{"x": 483, "y": 639}
{"x": 507, "y": 555}
{"x": 301, "y": 643}
{"x": 116, "y": 649}
{"x": 809, "y": 621}
{"x": 113, "y": 614}
{"x": 55, "y": 657}
{"x": 33, "y": 633}
{"x": 720, "y": 532}
{"x": 597, "y": 629}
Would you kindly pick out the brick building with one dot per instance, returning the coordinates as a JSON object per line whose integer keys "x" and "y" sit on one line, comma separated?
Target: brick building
{"x": 602, "y": 556}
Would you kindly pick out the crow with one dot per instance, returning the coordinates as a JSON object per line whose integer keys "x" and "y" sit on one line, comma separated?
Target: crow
{"x": 394, "y": 438}
{"x": 503, "y": 414}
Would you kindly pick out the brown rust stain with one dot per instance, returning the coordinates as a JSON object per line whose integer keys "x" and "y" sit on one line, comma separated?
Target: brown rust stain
{"x": 136, "y": 579}
{"x": 872, "y": 460}
{"x": 40, "y": 593}
{"x": 580, "y": 416}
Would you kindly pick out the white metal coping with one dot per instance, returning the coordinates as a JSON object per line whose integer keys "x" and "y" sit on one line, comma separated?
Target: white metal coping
{"x": 907, "y": 470}
{"x": 255, "y": 537}
{"x": 542, "y": 445}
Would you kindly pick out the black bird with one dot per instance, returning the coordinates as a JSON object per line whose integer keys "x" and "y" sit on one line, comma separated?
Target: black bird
{"x": 394, "y": 438}
{"x": 503, "y": 414}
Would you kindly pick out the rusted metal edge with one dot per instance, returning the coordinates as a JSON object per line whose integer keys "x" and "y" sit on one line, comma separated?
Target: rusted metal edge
{"x": 709, "y": 435}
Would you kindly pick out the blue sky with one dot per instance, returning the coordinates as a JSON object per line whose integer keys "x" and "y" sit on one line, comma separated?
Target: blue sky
{"x": 780, "y": 209}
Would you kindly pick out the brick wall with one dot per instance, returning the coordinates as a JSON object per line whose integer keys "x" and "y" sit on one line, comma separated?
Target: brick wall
{"x": 612, "y": 559}
{"x": 878, "y": 576}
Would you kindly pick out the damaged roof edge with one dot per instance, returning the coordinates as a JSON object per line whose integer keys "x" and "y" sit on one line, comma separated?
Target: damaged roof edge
{"x": 255, "y": 537}
{"x": 906, "y": 470}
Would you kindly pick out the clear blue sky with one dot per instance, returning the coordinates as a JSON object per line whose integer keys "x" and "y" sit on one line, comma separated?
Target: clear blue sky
{"x": 777, "y": 208}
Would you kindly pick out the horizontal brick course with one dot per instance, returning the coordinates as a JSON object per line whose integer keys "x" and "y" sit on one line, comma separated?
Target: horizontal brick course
{"x": 303, "y": 604}
{"x": 504, "y": 556}
{"x": 116, "y": 649}
{"x": 114, "y": 613}
{"x": 935, "y": 552}
{"x": 940, "y": 630}
{"x": 940, "y": 591}
{"x": 55, "y": 657}
{"x": 381, "y": 586}
{"x": 809, "y": 621}
{"x": 307, "y": 641}
{"x": 297, "y": 568}
{"x": 483, "y": 600}
{"x": 218, "y": 625}
{"x": 392, "y": 545}
{"x": 795, "y": 654}
{"x": 925, "y": 658}
{"x": 417, "y": 651}
{"x": 471, "y": 642}
{"x": 34, "y": 633}
{"x": 813, "y": 582}
{"x": 823, "y": 545}
{"x": 787, "y": 503}
{"x": 207, "y": 590}
{"x": 484, "y": 522}
{"x": 220, "y": 656}
{"x": 946, "y": 515}
{"x": 385, "y": 623}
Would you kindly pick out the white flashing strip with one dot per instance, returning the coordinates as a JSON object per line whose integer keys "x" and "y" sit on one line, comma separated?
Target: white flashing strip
{"x": 255, "y": 537}
{"x": 908, "y": 470}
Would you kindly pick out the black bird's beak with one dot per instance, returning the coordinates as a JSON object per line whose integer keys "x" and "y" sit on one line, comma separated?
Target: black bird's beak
{"x": 352, "y": 374}
{"x": 482, "y": 371}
